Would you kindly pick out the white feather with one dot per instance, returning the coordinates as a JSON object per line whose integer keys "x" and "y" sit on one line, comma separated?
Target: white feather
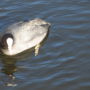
{"x": 27, "y": 35}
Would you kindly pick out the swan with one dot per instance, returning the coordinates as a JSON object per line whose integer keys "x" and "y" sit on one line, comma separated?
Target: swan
{"x": 23, "y": 35}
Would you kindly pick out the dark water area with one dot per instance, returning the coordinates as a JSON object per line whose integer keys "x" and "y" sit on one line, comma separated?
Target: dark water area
{"x": 63, "y": 62}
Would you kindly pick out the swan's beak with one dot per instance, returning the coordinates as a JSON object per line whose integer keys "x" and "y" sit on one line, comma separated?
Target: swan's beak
{"x": 9, "y": 44}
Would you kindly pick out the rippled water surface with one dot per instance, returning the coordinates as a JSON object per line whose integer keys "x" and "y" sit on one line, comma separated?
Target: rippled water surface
{"x": 63, "y": 62}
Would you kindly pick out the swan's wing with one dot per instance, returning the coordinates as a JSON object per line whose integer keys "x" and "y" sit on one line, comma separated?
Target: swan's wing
{"x": 32, "y": 31}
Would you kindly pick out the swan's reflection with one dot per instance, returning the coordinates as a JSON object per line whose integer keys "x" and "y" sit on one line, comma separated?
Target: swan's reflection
{"x": 9, "y": 65}
{"x": 9, "y": 68}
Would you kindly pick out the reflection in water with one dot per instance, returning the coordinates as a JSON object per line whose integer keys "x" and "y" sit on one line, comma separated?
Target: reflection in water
{"x": 9, "y": 68}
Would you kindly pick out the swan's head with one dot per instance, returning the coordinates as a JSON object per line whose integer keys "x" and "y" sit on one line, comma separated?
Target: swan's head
{"x": 7, "y": 42}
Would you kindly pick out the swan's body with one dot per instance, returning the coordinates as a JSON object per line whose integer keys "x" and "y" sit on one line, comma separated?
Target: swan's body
{"x": 25, "y": 35}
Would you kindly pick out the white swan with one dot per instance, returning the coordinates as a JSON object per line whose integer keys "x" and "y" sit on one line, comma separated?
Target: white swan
{"x": 23, "y": 35}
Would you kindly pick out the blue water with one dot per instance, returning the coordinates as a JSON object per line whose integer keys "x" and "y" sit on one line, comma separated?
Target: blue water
{"x": 63, "y": 62}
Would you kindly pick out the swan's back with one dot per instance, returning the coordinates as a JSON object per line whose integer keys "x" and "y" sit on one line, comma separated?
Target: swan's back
{"x": 27, "y": 34}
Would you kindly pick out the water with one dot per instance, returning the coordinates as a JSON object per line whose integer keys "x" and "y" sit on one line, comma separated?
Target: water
{"x": 63, "y": 62}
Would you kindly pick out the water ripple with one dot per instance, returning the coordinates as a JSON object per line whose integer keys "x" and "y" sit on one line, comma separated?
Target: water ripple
{"x": 63, "y": 61}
